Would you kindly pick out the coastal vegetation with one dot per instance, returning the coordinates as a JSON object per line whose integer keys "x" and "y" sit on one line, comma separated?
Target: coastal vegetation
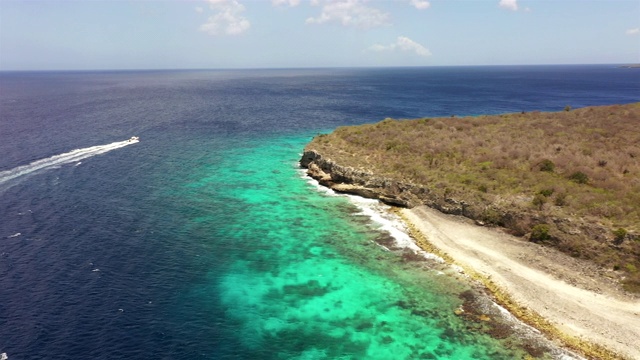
{"x": 568, "y": 179}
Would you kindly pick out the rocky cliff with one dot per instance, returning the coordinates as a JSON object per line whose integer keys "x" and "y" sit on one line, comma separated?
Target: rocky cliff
{"x": 564, "y": 233}
{"x": 345, "y": 179}
{"x": 569, "y": 179}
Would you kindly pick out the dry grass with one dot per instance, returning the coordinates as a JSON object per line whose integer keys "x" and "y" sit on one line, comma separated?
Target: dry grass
{"x": 521, "y": 170}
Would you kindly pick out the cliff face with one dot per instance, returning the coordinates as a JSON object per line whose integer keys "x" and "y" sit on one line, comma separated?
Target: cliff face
{"x": 568, "y": 179}
{"x": 562, "y": 230}
{"x": 349, "y": 180}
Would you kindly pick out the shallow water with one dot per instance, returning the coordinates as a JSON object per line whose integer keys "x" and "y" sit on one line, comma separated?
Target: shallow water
{"x": 205, "y": 240}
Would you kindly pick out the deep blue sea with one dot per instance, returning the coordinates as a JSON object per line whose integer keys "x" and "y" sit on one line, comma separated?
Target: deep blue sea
{"x": 203, "y": 240}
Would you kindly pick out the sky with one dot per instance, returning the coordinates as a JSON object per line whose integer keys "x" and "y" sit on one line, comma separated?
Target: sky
{"x": 215, "y": 34}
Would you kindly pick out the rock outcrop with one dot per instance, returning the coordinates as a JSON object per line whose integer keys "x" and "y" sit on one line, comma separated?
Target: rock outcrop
{"x": 517, "y": 221}
{"x": 364, "y": 183}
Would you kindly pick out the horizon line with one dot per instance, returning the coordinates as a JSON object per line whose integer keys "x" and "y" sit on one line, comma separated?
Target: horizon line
{"x": 632, "y": 65}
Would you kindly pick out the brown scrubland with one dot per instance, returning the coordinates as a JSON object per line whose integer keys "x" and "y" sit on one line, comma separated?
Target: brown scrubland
{"x": 569, "y": 179}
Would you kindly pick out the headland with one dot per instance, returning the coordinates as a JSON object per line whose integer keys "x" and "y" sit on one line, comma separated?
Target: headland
{"x": 542, "y": 208}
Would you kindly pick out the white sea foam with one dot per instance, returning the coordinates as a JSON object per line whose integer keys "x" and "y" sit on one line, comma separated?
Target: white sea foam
{"x": 14, "y": 235}
{"x": 4, "y": 356}
{"x": 389, "y": 222}
{"x": 458, "y": 269}
{"x": 380, "y": 215}
{"x": 313, "y": 182}
{"x": 73, "y": 156}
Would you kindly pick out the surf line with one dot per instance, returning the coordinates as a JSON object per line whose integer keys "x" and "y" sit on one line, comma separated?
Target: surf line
{"x": 62, "y": 159}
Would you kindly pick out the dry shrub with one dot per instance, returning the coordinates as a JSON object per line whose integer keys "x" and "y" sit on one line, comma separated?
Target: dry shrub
{"x": 480, "y": 158}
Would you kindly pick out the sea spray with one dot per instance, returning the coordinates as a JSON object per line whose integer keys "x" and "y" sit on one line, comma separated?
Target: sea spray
{"x": 381, "y": 217}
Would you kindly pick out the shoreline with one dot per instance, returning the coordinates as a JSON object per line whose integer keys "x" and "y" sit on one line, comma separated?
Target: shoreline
{"x": 573, "y": 302}
{"x": 481, "y": 304}
{"x": 584, "y": 313}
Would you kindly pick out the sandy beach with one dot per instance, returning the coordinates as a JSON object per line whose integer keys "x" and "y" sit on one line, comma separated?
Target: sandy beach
{"x": 571, "y": 295}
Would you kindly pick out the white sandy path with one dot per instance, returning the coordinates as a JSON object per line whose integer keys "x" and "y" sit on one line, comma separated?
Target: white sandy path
{"x": 598, "y": 318}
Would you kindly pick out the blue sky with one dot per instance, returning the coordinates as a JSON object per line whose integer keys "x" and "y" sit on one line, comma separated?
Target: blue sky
{"x": 85, "y": 35}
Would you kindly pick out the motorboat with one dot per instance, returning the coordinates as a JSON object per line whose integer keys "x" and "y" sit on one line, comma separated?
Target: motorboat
{"x": 134, "y": 138}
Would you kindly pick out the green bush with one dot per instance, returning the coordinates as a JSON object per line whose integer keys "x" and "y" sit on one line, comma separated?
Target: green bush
{"x": 491, "y": 216}
{"x": 493, "y": 164}
{"x": 538, "y": 201}
{"x": 579, "y": 177}
{"x": 546, "y": 192}
{"x": 561, "y": 199}
{"x": 547, "y": 165}
{"x": 631, "y": 268}
{"x": 540, "y": 232}
{"x": 619, "y": 235}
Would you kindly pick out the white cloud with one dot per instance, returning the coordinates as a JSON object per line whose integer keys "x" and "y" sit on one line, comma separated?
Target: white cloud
{"x": 403, "y": 43}
{"x": 199, "y": 9}
{"x": 420, "y": 4}
{"x": 509, "y": 4}
{"x": 291, "y": 3}
{"x": 226, "y": 19}
{"x": 406, "y": 44}
{"x": 379, "y": 47}
{"x": 634, "y": 31}
{"x": 349, "y": 13}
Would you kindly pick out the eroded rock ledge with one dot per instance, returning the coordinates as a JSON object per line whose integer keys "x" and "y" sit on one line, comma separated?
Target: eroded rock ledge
{"x": 345, "y": 179}
{"x": 361, "y": 182}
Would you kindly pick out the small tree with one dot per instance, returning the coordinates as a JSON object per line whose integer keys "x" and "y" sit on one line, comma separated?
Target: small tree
{"x": 538, "y": 201}
{"x": 561, "y": 199}
{"x": 619, "y": 235}
{"x": 547, "y": 165}
{"x": 546, "y": 192}
{"x": 540, "y": 232}
{"x": 579, "y": 177}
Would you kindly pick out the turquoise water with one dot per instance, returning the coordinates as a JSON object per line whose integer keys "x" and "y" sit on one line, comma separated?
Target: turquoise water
{"x": 303, "y": 275}
{"x": 205, "y": 240}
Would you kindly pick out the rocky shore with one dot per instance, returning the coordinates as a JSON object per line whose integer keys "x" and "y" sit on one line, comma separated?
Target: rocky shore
{"x": 364, "y": 183}
{"x": 361, "y": 182}
{"x": 567, "y": 298}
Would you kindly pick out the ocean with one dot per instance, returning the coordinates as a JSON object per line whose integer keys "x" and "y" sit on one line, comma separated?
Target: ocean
{"x": 204, "y": 239}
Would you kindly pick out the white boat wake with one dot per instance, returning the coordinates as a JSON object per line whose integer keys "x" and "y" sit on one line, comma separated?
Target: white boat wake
{"x": 73, "y": 156}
